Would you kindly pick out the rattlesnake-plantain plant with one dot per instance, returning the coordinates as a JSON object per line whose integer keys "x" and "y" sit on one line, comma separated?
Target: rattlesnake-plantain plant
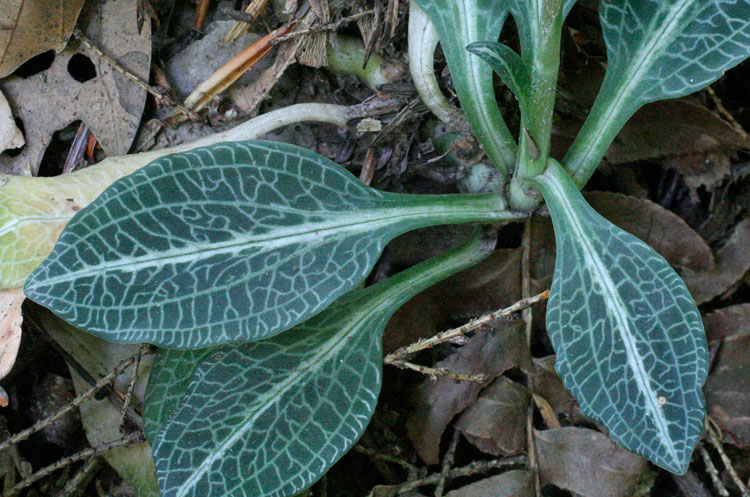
{"x": 211, "y": 254}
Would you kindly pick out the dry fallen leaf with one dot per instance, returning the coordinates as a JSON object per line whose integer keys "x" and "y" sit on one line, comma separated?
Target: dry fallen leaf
{"x": 673, "y": 128}
{"x": 587, "y": 463}
{"x": 515, "y": 483}
{"x": 727, "y": 389}
{"x": 110, "y": 104}
{"x": 496, "y": 423}
{"x": 10, "y": 135}
{"x": 732, "y": 262}
{"x": 30, "y": 27}
{"x": 490, "y": 285}
{"x": 726, "y": 322}
{"x": 436, "y": 402}
{"x": 10, "y": 327}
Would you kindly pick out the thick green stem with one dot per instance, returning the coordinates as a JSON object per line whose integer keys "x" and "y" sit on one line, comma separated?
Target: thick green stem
{"x": 541, "y": 53}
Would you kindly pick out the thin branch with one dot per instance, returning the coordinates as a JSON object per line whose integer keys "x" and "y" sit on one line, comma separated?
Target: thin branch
{"x": 714, "y": 441}
{"x": 435, "y": 372}
{"x": 450, "y": 455}
{"x": 78, "y": 456}
{"x": 713, "y": 472}
{"x": 161, "y": 97}
{"x": 477, "y": 467}
{"x": 457, "y": 335}
{"x": 23, "y": 435}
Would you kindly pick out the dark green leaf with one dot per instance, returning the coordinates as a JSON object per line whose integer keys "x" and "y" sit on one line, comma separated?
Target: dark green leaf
{"x": 269, "y": 418}
{"x": 657, "y": 49}
{"x": 167, "y": 382}
{"x": 509, "y": 66}
{"x": 233, "y": 242}
{"x": 629, "y": 339}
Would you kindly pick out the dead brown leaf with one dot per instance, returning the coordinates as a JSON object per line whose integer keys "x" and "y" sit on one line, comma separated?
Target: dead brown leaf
{"x": 726, "y": 322}
{"x": 490, "y": 285}
{"x": 10, "y": 135}
{"x": 515, "y": 483}
{"x": 30, "y": 27}
{"x": 661, "y": 228}
{"x": 672, "y": 128}
{"x": 437, "y": 402}
{"x": 549, "y": 385}
{"x": 732, "y": 262}
{"x": 110, "y": 104}
{"x": 10, "y": 328}
{"x": 496, "y": 423}
{"x": 727, "y": 389}
{"x": 587, "y": 462}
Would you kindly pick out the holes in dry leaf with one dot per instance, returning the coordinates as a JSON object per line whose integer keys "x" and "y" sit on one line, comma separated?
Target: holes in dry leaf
{"x": 13, "y": 152}
{"x": 81, "y": 68}
{"x": 54, "y": 157}
{"x": 36, "y": 64}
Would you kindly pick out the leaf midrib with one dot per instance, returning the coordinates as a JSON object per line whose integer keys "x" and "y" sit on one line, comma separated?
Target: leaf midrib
{"x": 623, "y": 91}
{"x": 614, "y": 303}
{"x": 265, "y": 400}
{"x": 289, "y": 236}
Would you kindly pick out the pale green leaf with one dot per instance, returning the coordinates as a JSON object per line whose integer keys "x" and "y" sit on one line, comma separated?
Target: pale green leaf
{"x": 269, "y": 418}
{"x": 233, "y": 242}
{"x": 460, "y": 23}
{"x": 657, "y": 49}
{"x": 629, "y": 339}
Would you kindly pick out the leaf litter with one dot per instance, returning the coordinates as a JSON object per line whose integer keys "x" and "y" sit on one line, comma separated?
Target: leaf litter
{"x": 684, "y": 136}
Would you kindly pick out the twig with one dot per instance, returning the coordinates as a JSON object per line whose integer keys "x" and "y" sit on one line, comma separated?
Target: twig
{"x": 722, "y": 110}
{"x": 77, "y": 148}
{"x": 161, "y": 97}
{"x": 457, "y": 335}
{"x": 410, "y": 468}
{"x": 435, "y": 372}
{"x": 81, "y": 478}
{"x": 713, "y": 472}
{"x": 84, "y": 454}
{"x": 450, "y": 454}
{"x": 333, "y": 26}
{"x": 714, "y": 441}
{"x": 528, "y": 318}
{"x": 131, "y": 384}
{"x": 477, "y": 467}
{"x": 23, "y": 435}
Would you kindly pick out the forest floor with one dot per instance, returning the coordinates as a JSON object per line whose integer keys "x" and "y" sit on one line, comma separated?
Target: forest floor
{"x": 677, "y": 176}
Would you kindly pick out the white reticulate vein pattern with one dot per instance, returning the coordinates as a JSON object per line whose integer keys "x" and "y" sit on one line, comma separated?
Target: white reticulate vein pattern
{"x": 233, "y": 242}
{"x": 629, "y": 339}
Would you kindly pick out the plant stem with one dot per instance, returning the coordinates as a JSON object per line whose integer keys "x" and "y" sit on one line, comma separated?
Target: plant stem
{"x": 423, "y": 39}
{"x": 541, "y": 53}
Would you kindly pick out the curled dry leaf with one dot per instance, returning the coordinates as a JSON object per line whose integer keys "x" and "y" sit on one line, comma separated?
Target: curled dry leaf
{"x": 10, "y": 328}
{"x": 436, "y": 402}
{"x": 726, "y": 322}
{"x": 672, "y": 128}
{"x": 496, "y": 423}
{"x": 10, "y": 135}
{"x": 586, "y": 462}
{"x": 515, "y": 483}
{"x": 732, "y": 262}
{"x": 110, "y": 103}
{"x": 727, "y": 389}
{"x": 30, "y": 27}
